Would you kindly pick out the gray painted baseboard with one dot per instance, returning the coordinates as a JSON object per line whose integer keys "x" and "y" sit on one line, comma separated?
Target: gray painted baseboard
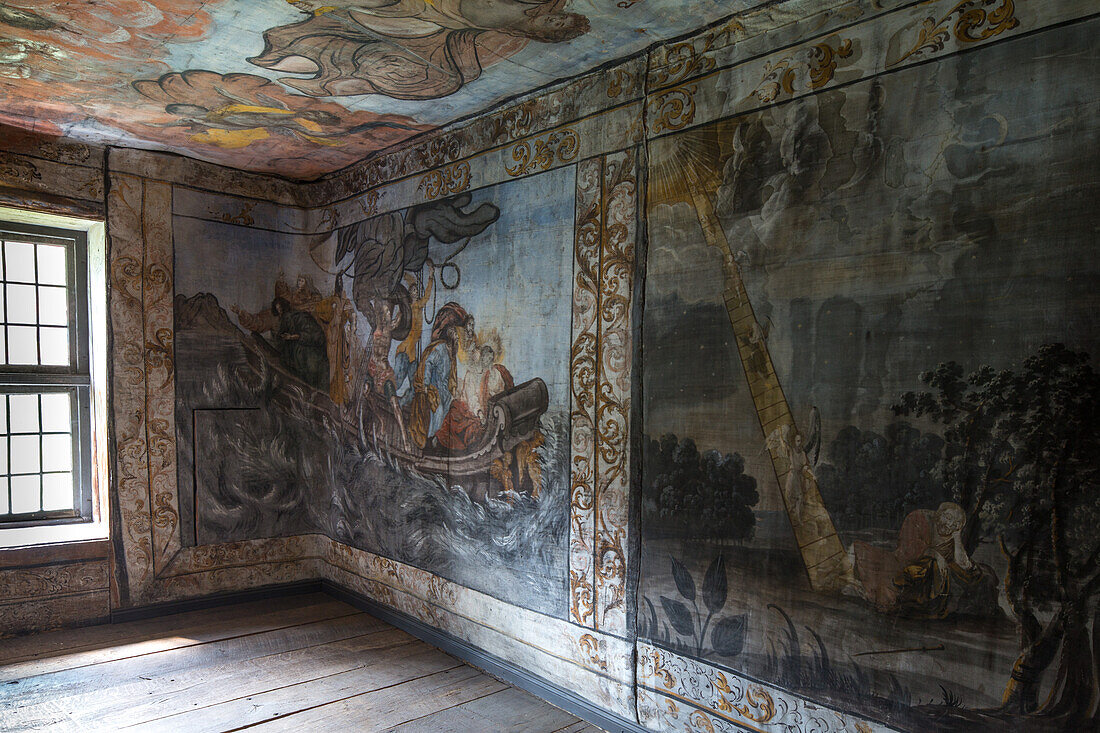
{"x": 494, "y": 665}
{"x": 136, "y": 613}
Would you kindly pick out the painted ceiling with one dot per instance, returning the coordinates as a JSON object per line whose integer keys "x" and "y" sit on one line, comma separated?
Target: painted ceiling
{"x": 301, "y": 87}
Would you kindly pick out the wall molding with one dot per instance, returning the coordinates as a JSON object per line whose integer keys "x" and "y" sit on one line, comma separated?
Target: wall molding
{"x": 278, "y": 590}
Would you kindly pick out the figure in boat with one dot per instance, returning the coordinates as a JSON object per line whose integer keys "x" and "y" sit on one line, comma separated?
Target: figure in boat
{"x": 335, "y": 315}
{"x": 435, "y": 420}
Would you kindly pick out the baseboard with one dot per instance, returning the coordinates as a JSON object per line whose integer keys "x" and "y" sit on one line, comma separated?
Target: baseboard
{"x": 136, "y": 613}
{"x": 494, "y": 665}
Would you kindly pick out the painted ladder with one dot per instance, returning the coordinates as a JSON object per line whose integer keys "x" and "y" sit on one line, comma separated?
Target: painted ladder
{"x": 822, "y": 551}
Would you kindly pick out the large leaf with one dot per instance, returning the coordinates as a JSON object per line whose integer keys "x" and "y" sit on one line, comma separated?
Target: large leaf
{"x": 714, "y": 585}
{"x": 684, "y": 583}
{"x": 728, "y": 635}
{"x": 678, "y": 616}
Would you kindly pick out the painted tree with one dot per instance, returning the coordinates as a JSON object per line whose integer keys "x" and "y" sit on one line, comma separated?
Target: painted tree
{"x": 708, "y": 493}
{"x": 1022, "y": 456}
{"x": 876, "y": 479}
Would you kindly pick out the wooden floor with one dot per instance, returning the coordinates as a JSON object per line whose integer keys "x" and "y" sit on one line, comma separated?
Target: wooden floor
{"x": 304, "y": 663}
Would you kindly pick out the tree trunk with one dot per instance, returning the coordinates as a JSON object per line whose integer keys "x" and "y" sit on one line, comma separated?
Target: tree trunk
{"x": 1021, "y": 694}
{"x": 1075, "y": 684}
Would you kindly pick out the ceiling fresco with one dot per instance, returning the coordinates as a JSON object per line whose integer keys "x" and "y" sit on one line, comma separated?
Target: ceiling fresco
{"x": 301, "y": 87}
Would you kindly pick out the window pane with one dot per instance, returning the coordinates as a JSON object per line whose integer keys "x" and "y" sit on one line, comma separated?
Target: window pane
{"x": 21, "y": 304}
{"x": 55, "y": 346}
{"x": 51, "y": 264}
{"x": 53, "y": 307}
{"x": 3, "y": 345}
{"x": 22, "y": 345}
{"x": 56, "y": 413}
{"x": 3, "y": 413}
{"x": 24, "y": 454}
{"x": 25, "y": 494}
{"x": 20, "y": 261}
{"x": 24, "y": 413}
{"x": 3, "y": 455}
{"x": 57, "y": 453}
{"x": 57, "y": 491}
{"x": 4, "y": 496}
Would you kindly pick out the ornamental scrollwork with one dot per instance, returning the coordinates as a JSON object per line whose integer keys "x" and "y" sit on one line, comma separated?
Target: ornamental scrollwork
{"x": 675, "y": 108}
{"x": 816, "y": 65}
{"x": 591, "y": 649}
{"x": 446, "y": 181}
{"x": 685, "y": 59}
{"x": 513, "y": 122}
{"x": 620, "y": 79}
{"x": 561, "y": 146}
{"x": 724, "y": 696}
{"x": 973, "y": 23}
{"x": 368, "y": 202}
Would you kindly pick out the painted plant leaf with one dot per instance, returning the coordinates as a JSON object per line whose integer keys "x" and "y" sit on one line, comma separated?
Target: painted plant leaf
{"x": 684, "y": 583}
{"x": 728, "y": 636}
{"x": 714, "y": 585}
{"x": 678, "y": 616}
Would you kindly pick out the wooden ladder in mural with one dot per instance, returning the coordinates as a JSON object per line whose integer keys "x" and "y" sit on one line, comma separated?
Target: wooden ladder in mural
{"x": 822, "y": 551}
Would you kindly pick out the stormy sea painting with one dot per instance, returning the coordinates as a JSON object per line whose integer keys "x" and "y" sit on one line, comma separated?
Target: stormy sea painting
{"x": 385, "y": 385}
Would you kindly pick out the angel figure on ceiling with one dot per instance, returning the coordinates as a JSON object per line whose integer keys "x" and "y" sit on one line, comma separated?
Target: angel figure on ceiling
{"x": 408, "y": 49}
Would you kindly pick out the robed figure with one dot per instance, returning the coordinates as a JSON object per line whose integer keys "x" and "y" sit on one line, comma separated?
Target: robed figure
{"x": 408, "y": 49}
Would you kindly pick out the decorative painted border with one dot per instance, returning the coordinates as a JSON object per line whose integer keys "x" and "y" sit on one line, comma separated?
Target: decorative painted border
{"x": 616, "y": 354}
{"x": 885, "y": 42}
{"x": 601, "y": 355}
{"x": 583, "y": 370}
{"x": 676, "y": 692}
{"x": 594, "y": 93}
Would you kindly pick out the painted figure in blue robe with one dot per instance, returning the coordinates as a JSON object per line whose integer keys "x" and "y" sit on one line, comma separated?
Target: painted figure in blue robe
{"x": 436, "y": 379}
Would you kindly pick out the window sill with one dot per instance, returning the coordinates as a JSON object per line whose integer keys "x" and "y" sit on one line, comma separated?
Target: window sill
{"x": 51, "y": 534}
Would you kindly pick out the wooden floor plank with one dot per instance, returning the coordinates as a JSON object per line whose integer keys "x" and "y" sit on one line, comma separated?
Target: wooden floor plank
{"x": 301, "y": 663}
{"x": 580, "y": 726}
{"x": 383, "y": 709}
{"x": 416, "y": 660}
{"x": 107, "y": 675}
{"x": 507, "y": 711}
{"x": 55, "y": 651}
{"x": 151, "y": 697}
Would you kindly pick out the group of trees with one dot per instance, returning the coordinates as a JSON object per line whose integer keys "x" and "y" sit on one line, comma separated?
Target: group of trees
{"x": 1022, "y": 457}
{"x": 875, "y": 480}
{"x": 1019, "y": 452}
{"x": 706, "y": 494}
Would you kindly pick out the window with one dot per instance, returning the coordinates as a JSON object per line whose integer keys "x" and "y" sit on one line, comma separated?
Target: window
{"x": 46, "y": 398}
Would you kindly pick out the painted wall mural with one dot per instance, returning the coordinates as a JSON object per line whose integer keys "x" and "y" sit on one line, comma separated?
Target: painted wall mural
{"x": 864, "y": 466}
{"x": 400, "y": 384}
{"x": 870, "y": 453}
{"x": 301, "y": 87}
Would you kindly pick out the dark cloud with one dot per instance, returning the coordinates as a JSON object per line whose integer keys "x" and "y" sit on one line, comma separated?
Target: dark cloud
{"x": 690, "y": 353}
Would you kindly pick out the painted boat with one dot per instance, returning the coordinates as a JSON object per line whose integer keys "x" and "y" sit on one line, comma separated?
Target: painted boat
{"x": 513, "y": 418}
